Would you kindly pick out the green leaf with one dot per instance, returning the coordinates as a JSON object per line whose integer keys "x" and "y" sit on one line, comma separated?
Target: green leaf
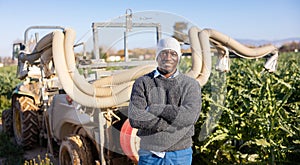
{"x": 296, "y": 141}
{"x": 262, "y": 142}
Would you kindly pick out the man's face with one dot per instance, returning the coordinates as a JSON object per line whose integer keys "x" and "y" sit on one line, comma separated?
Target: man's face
{"x": 167, "y": 61}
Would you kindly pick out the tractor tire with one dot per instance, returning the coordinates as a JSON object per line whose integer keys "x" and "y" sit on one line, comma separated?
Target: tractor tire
{"x": 7, "y": 124}
{"x": 75, "y": 150}
{"x": 25, "y": 123}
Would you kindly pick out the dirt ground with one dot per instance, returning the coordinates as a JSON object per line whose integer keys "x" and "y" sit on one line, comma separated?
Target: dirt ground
{"x": 33, "y": 153}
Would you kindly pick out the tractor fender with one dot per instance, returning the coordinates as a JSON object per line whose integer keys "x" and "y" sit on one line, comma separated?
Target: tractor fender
{"x": 22, "y": 90}
{"x": 65, "y": 118}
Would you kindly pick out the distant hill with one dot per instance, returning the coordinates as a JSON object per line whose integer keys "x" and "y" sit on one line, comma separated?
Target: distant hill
{"x": 276, "y": 43}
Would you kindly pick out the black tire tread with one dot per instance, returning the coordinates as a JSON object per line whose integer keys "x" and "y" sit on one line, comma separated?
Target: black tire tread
{"x": 29, "y": 124}
{"x": 79, "y": 149}
{"x": 7, "y": 124}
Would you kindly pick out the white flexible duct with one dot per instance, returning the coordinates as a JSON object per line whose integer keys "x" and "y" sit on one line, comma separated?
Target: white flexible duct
{"x": 206, "y": 65}
{"x": 113, "y": 90}
{"x": 203, "y": 53}
{"x": 78, "y": 79}
{"x": 196, "y": 53}
{"x": 129, "y": 75}
{"x": 242, "y": 50}
{"x": 69, "y": 86}
{"x": 118, "y": 82}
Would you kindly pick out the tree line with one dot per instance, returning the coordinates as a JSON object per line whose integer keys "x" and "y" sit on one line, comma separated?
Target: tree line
{"x": 290, "y": 47}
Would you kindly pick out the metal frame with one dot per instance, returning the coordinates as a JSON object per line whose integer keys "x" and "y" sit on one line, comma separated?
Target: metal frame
{"x": 39, "y": 27}
{"x": 128, "y": 25}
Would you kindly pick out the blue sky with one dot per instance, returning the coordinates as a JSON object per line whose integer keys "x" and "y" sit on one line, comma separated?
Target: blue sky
{"x": 240, "y": 19}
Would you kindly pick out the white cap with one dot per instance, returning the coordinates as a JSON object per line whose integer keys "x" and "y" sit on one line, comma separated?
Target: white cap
{"x": 168, "y": 43}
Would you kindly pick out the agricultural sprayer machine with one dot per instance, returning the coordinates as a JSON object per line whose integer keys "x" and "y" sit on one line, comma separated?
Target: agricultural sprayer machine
{"x": 74, "y": 96}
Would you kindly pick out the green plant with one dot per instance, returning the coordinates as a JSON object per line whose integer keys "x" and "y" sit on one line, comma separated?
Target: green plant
{"x": 40, "y": 161}
{"x": 12, "y": 153}
{"x": 7, "y": 82}
{"x": 249, "y": 116}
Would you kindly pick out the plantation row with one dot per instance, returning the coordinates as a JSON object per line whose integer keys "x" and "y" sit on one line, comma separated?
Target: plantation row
{"x": 248, "y": 115}
{"x": 8, "y": 81}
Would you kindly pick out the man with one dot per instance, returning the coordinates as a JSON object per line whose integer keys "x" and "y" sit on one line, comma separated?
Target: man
{"x": 164, "y": 106}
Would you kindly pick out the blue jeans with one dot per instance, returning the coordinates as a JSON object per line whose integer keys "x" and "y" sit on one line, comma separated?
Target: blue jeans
{"x": 180, "y": 157}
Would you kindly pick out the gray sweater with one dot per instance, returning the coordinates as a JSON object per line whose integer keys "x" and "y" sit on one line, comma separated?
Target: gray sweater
{"x": 164, "y": 111}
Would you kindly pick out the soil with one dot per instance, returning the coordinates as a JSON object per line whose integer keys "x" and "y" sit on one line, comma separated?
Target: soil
{"x": 32, "y": 153}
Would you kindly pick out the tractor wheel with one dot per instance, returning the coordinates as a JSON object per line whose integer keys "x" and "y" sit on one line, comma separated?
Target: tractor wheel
{"x": 25, "y": 122}
{"x": 75, "y": 150}
{"x": 7, "y": 122}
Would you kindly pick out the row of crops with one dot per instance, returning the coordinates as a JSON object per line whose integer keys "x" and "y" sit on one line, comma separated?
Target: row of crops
{"x": 248, "y": 115}
{"x": 8, "y": 81}
{"x": 251, "y": 116}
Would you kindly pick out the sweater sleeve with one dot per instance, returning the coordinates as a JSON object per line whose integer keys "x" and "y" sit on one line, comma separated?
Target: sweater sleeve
{"x": 185, "y": 114}
{"x": 189, "y": 110}
{"x": 139, "y": 117}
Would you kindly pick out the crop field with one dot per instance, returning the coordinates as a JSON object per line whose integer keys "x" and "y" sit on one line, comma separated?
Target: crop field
{"x": 8, "y": 81}
{"x": 248, "y": 115}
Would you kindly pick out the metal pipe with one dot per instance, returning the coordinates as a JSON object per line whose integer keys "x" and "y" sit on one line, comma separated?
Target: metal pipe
{"x": 95, "y": 40}
{"x": 39, "y": 27}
